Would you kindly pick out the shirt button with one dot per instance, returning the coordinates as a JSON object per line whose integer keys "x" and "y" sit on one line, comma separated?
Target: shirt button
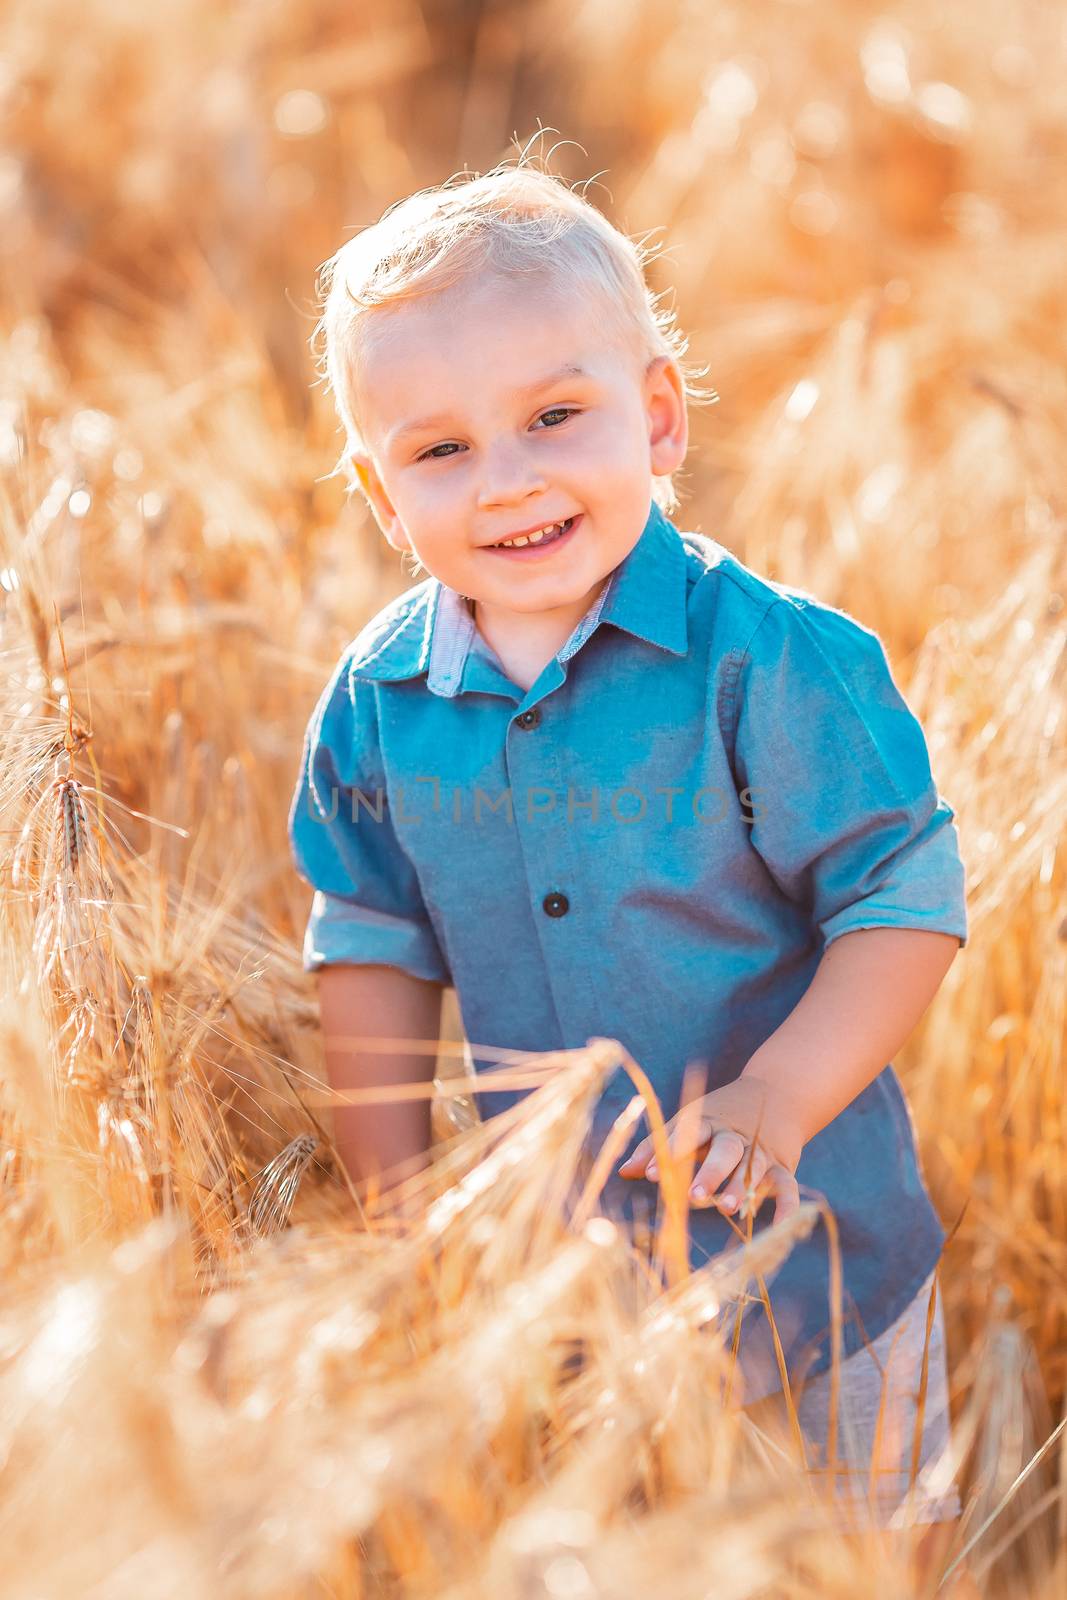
{"x": 555, "y": 905}
{"x": 529, "y": 719}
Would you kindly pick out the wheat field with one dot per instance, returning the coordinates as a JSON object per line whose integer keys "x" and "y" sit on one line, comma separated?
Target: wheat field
{"x": 223, "y": 1372}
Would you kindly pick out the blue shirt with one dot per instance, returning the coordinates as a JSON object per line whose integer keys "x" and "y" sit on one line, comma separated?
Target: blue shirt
{"x": 714, "y": 778}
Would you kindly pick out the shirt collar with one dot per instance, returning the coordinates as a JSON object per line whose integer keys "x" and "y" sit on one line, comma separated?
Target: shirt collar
{"x": 434, "y": 630}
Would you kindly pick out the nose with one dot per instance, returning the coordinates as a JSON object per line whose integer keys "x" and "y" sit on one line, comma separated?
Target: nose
{"x": 509, "y": 476}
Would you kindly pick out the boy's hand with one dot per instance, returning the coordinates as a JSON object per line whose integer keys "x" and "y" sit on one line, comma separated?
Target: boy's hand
{"x": 748, "y": 1121}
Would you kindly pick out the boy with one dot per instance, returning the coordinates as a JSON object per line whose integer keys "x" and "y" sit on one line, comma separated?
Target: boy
{"x": 607, "y": 781}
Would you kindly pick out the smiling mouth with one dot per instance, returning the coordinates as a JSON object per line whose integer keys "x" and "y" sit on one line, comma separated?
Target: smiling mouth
{"x": 551, "y": 533}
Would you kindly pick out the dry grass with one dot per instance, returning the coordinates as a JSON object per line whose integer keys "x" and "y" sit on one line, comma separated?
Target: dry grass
{"x": 224, "y": 1375}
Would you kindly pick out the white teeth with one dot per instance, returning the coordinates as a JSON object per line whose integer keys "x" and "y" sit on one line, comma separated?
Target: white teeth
{"x": 533, "y": 538}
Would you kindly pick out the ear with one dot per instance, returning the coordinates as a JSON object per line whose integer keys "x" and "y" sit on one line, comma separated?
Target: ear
{"x": 381, "y": 505}
{"x": 668, "y": 422}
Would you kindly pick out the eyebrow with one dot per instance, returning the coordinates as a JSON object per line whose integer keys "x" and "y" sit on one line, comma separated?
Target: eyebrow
{"x": 441, "y": 419}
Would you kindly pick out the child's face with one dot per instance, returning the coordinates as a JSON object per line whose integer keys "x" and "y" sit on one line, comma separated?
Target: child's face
{"x": 499, "y": 407}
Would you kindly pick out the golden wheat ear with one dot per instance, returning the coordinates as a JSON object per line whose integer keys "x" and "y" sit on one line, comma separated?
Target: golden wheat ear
{"x": 276, "y": 1189}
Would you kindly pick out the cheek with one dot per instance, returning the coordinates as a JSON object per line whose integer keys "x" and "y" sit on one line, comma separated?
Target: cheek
{"x": 613, "y": 440}
{"x": 439, "y": 522}
{"x": 425, "y": 506}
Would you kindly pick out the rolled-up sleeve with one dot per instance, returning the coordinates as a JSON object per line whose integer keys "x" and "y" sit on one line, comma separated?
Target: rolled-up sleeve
{"x": 367, "y": 908}
{"x": 846, "y": 814}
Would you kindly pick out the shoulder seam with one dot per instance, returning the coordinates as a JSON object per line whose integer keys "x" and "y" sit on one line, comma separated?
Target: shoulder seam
{"x": 722, "y": 568}
{"x": 726, "y": 699}
{"x": 763, "y": 599}
{"x": 764, "y": 604}
{"x": 728, "y": 693}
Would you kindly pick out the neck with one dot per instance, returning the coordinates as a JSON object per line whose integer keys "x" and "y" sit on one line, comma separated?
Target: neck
{"x": 524, "y": 642}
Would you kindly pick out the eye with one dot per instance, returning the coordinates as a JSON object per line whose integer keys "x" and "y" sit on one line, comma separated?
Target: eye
{"x": 432, "y": 455}
{"x": 557, "y": 415}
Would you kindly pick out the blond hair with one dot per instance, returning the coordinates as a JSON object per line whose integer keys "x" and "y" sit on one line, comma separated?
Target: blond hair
{"x": 516, "y": 219}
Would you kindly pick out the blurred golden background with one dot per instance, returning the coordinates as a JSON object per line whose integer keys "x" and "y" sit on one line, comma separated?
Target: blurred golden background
{"x": 216, "y": 1382}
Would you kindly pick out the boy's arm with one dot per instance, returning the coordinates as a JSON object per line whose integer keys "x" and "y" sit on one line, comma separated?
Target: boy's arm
{"x": 869, "y": 991}
{"x": 389, "y": 1140}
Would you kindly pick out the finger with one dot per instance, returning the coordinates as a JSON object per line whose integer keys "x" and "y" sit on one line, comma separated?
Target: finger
{"x": 780, "y": 1182}
{"x": 684, "y": 1134}
{"x": 727, "y": 1149}
{"x": 735, "y": 1183}
{"x": 635, "y": 1163}
{"x": 745, "y": 1179}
